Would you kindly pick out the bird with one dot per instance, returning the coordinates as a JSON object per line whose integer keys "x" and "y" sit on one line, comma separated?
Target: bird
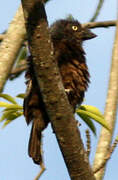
{"x": 67, "y": 36}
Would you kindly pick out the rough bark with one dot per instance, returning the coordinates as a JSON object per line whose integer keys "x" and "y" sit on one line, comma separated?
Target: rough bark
{"x": 57, "y": 105}
{"x": 110, "y": 112}
{"x": 10, "y": 46}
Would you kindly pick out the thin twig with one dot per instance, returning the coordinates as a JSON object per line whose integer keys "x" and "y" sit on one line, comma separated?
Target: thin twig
{"x": 41, "y": 172}
{"x": 113, "y": 146}
{"x": 101, "y": 24}
{"x": 107, "y": 157}
{"x": 97, "y": 11}
{"x": 88, "y": 143}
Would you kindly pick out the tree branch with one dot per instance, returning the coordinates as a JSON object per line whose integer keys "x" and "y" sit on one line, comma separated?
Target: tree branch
{"x": 97, "y": 11}
{"x": 56, "y": 102}
{"x": 41, "y": 172}
{"x": 104, "y": 161}
{"x": 10, "y": 46}
{"x": 110, "y": 111}
{"x": 103, "y": 24}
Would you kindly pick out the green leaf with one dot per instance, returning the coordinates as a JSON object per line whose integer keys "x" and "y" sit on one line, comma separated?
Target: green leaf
{"x": 6, "y": 123}
{"x": 8, "y": 98}
{"x": 11, "y": 111}
{"x": 4, "y": 104}
{"x": 22, "y": 95}
{"x": 7, "y": 114}
{"x": 11, "y": 118}
{"x": 13, "y": 106}
{"x": 92, "y": 109}
{"x": 89, "y": 122}
{"x": 98, "y": 119}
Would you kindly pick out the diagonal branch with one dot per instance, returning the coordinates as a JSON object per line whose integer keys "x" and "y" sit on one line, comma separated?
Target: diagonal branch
{"x": 10, "y": 46}
{"x": 55, "y": 99}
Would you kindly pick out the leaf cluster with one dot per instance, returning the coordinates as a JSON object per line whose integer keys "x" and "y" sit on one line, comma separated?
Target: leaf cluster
{"x": 87, "y": 113}
{"x": 12, "y": 109}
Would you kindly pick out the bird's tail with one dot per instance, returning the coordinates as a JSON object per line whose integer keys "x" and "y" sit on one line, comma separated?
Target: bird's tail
{"x": 34, "y": 148}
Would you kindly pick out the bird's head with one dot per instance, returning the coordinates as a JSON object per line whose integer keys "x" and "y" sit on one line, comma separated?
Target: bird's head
{"x": 70, "y": 31}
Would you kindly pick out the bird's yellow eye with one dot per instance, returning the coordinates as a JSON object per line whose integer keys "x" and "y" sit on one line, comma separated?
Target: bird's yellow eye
{"x": 75, "y": 28}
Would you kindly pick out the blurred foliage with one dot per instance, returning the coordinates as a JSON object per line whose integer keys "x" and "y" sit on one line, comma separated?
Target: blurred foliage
{"x": 13, "y": 110}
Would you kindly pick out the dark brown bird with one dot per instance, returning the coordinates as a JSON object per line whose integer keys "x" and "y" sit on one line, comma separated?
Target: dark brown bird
{"x": 67, "y": 37}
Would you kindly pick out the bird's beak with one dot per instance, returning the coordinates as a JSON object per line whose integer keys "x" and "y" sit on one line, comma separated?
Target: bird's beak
{"x": 87, "y": 34}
